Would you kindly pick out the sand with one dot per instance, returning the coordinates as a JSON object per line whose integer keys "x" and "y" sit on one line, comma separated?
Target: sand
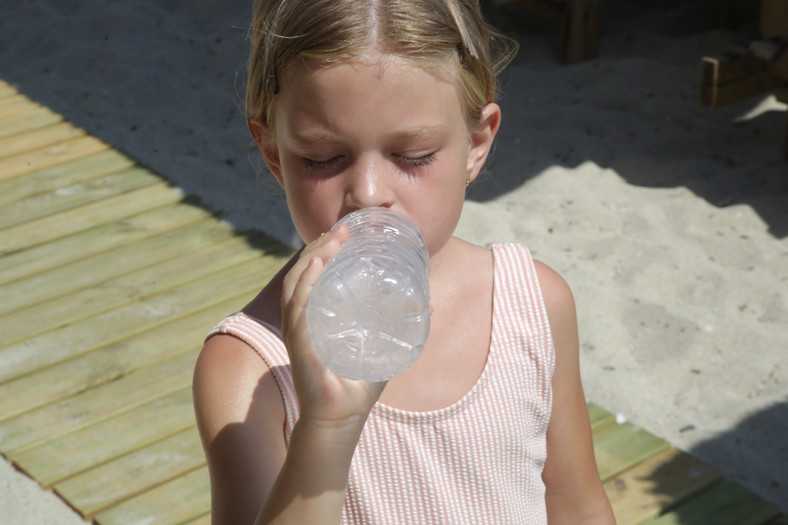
{"x": 668, "y": 220}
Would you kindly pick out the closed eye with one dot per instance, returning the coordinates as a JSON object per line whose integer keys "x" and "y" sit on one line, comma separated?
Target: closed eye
{"x": 416, "y": 161}
{"x": 312, "y": 164}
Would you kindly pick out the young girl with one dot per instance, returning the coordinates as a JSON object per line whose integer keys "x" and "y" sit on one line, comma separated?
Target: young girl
{"x": 361, "y": 103}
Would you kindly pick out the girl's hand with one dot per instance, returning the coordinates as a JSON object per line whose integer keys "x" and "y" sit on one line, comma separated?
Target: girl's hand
{"x": 326, "y": 399}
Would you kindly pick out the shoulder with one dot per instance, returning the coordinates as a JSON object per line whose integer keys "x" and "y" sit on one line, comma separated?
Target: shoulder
{"x": 559, "y": 304}
{"x": 229, "y": 377}
{"x": 240, "y": 417}
{"x": 556, "y": 292}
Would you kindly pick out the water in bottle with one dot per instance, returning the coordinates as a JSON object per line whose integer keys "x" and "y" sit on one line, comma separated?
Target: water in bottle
{"x": 368, "y": 314}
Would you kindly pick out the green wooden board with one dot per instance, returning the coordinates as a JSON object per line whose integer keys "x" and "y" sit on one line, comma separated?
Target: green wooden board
{"x": 97, "y": 404}
{"x": 59, "y": 458}
{"x": 36, "y": 139}
{"x": 726, "y": 504}
{"x": 6, "y": 90}
{"x": 202, "y": 520}
{"x": 175, "y": 502}
{"x": 90, "y": 271}
{"x": 643, "y": 492}
{"x": 620, "y": 447}
{"x": 63, "y": 175}
{"x": 145, "y": 314}
{"x": 34, "y": 118}
{"x": 112, "y": 209}
{"x": 133, "y": 473}
{"x": 54, "y": 154}
{"x": 74, "y": 195}
{"x": 25, "y": 323}
{"x": 12, "y": 103}
{"x": 98, "y": 239}
{"x": 111, "y": 362}
{"x": 599, "y": 417}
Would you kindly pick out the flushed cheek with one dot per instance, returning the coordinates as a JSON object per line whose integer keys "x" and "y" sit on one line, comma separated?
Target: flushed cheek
{"x": 310, "y": 217}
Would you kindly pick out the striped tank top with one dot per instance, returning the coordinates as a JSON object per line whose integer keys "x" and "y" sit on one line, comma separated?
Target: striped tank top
{"x": 478, "y": 461}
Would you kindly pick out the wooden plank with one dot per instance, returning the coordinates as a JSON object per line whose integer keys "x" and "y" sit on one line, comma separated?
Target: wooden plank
{"x": 19, "y": 123}
{"x": 726, "y": 504}
{"x": 173, "y": 503}
{"x": 98, "y": 404}
{"x": 112, "y": 362}
{"x": 100, "y": 238}
{"x": 83, "y": 273}
{"x": 15, "y": 104}
{"x": 133, "y": 473}
{"x": 63, "y": 175}
{"x": 112, "y": 209}
{"x": 599, "y": 418}
{"x": 620, "y": 447}
{"x": 643, "y": 492}
{"x": 62, "y": 457}
{"x": 579, "y": 35}
{"x": 25, "y": 323}
{"x": 30, "y": 161}
{"x": 77, "y": 194}
{"x": 734, "y": 77}
{"x": 6, "y": 90}
{"x": 40, "y": 138}
{"x": 205, "y": 519}
{"x": 74, "y": 340}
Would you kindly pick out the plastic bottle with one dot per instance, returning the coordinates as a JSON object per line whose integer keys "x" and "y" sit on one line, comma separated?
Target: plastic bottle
{"x": 368, "y": 314}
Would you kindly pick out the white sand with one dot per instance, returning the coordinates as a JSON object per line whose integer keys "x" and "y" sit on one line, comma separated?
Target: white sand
{"x": 669, "y": 220}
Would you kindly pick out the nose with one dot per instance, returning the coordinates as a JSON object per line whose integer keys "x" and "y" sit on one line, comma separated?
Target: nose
{"x": 368, "y": 184}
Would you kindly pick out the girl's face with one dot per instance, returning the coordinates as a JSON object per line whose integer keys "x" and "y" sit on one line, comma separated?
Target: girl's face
{"x": 382, "y": 132}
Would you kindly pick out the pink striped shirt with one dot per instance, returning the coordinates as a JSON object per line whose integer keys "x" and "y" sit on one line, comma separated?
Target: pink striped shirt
{"x": 478, "y": 461}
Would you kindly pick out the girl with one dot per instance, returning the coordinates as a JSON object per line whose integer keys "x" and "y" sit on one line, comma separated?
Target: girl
{"x": 360, "y": 103}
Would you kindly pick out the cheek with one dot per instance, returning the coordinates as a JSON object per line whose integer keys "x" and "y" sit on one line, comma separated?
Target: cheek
{"x": 312, "y": 209}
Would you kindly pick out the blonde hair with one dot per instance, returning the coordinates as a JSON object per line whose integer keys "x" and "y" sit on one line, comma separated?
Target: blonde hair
{"x": 332, "y": 31}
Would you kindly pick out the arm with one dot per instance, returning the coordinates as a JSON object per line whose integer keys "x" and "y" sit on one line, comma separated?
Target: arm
{"x": 255, "y": 478}
{"x": 574, "y": 491}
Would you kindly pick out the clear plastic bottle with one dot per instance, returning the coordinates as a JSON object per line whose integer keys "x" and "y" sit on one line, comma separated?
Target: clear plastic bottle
{"x": 369, "y": 315}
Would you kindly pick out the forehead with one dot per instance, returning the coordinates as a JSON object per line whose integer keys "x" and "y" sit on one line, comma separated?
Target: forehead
{"x": 388, "y": 88}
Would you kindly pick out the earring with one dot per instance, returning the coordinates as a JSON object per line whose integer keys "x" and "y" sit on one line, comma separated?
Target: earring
{"x": 467, "y": 181}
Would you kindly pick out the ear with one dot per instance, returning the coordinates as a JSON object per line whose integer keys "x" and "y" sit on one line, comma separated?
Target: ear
{"x": 266, "y": 141}
{"x": 482, "y": 136}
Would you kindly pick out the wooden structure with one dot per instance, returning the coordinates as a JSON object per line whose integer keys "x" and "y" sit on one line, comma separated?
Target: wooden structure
{"x": 762, "y": 68}
{"x": 579, "y": 20}
{"x": 110, "y": 278}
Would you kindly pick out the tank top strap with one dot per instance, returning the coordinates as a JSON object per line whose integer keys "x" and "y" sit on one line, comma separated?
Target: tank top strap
{"x": 523, "y": 312}
{"x": 266, "y": 341}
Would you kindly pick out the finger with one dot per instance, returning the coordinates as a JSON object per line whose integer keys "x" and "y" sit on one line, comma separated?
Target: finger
{"x": 294, "y": 330}
{"x": 296, "y": 304}
{"x": 323, "y": 247}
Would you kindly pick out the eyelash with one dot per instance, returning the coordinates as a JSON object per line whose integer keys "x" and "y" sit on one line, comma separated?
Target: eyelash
{"x": 317, "y": 164}
{"x": 416, "y": 162}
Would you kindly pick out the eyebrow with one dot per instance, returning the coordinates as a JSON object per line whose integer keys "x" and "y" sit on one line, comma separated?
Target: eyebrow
{"x": 416, "y": 132}
{"x": 421, "y": 131}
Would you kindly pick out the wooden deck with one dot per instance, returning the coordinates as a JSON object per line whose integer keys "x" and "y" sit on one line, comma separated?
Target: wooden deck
{"x": 109, "y": 279}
